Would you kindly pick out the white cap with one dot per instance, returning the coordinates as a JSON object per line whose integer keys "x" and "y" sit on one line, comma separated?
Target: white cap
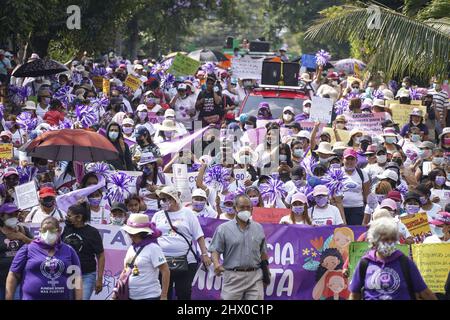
{"x": 182, "y": 86}
{"x": 306, "y": 102}
{"x": 169, "y": 113}
{"x": 304, "y": 134}
{"x": 128, "y": 121}
{"x": 138, "y": 67}
{"x": 388, "y": 174}
{"x": 199, "y": 193}
{"x": 142, "y": 107}
{"x": 378, "y": 102}
{"x": 29, "y": 105}
{"x": 288, "y": 108}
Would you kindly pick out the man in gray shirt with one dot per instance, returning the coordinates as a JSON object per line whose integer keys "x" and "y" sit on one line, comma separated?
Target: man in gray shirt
{"x": 245, "y": 261}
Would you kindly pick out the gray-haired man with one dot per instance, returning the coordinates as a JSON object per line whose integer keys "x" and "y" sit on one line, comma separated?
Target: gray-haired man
{"x": 245, "y": 262}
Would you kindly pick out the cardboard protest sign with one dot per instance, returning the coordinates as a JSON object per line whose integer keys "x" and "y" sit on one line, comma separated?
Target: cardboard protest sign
{"x": 240, "y": 175}
{"x": 309, "y": 126}
{"x": 106, "y": 87}
{"x": 183, "y": 66}
{"x": 132, "y": 82}
{"x": 401, "y": 112}
{"x": 98, "y": 82}
{"x": 6, "y": 151}
{"x": 321, "y": 109}
{"x": 369, "y": 123}
{"x": 358, "y": 249}
{"x": 247, "y": 68}
{"x": 444, "y": 196}
{"x": 263, "y": 123}
{"x": 344, "y": 135}
{"x": 417, "y": 224}
{"x": 27, "y": 195}
{"x": 191, "y": 176}
{"x": 269, "y": 215}
{"x": 433, "y": 262}
{"x": 181, "y": 178}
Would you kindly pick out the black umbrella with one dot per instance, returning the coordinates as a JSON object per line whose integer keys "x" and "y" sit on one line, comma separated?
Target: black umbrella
{"x": 39, "y": 68}
{"x": 203, "y": 55}
{"x": 220, "y": 56}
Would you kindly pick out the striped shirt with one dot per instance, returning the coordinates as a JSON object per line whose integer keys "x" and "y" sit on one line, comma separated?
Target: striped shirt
{"x": 440, "y": 100}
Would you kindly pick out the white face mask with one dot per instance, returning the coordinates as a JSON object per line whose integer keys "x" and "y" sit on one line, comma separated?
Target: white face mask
{"x": 49, "y": 237}
{"x": 11, "y": 223}
{"x": 287, "y": 117}
{"x": 283, "y": 157}
{"x": 165, "y": 205}
{"x": 244, "y": 215}
{"x": 306, "y": 109}
{"x": 382, "y": 158}
{"x": 340, "y": 126}
{"x": 357, "y": 140}
{"x": 117, "y": 221}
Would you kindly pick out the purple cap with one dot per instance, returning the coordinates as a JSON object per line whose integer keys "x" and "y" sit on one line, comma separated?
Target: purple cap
{"x": 263, "y": 105}
{"x": 8, "y": 208}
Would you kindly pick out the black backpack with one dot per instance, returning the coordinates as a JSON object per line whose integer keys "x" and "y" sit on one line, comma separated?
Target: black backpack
{"x": 364, "y": 263}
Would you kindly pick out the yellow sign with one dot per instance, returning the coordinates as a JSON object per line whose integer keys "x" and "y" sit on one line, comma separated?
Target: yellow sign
{"x": 417, "y": 224}
{"x": 133, "y": 82}
{"x": 6, "y": 151}
{"x": 433, "y": 262}
{"x": 401, "y": 112}
{"x": 106, "y": 87}
{"x": 343, "y": 134}
{"x": 413, "y": 102}
{"x": 98, "y": 82}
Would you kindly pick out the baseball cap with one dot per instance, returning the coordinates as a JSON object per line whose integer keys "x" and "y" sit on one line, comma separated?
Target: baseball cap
{"x": 8, "y": 208}
{"x": 288, "y": 108}
{"x": 182, "y": 86}
{"x": 350, "y": 152}
{"x": 371, "y": 149}
{"x": 388, "y": 203}
{"x": 412, "y": 195}
{"x": 9, "y": 172}
{"x": 416, "y": 112}
{"x": 128, "y": 121}
{"x": 320, "y": 190}
{"x": 142, "y": 107}
{"x": 299, "y": 197}
{"x": 141, "y": 131}
{"x": 304, "y": 134}
{"x": 119, "y": 206}
{"x": 199, "y": 193}
{"x": 395, "y": 195}
{"x": 388, "y": 174}
{"x": 307, "y": 101}
{"x": 169, "y": 113}
{"x": 6, "y": 134}
{"x": 427, "y": 145}
{"x": 169, "y": 191}
{"x": 47, "y": 192}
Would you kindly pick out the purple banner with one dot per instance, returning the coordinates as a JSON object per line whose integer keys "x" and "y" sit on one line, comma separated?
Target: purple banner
{"x": 298, "y": 256}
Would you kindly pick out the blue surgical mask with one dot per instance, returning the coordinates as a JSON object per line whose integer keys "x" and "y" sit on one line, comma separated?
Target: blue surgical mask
{"x": 113, "y": 135}
{"x": 299, "y": 153}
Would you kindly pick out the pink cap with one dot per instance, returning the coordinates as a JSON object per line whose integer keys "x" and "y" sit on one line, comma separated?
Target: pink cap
{"x": 350, "y": 152}
{"x": 320, "y": 190}
{"x": 299, "y": 197}
{"x": 389, "y": 203}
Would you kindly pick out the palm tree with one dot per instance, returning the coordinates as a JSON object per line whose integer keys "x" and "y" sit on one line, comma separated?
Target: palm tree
{"x": 401, "y": 44}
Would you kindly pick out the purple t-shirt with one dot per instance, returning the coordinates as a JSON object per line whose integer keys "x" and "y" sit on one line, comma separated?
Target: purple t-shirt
{"x": 385, "y": 279}
{"x": 44, "y": 277}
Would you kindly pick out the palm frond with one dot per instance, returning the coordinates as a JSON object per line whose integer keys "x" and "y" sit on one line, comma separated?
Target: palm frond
{"x": 402, "y": 45}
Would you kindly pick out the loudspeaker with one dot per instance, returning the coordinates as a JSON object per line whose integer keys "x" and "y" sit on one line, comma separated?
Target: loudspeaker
{"x": 273, "y": 75}
{"x": 259, "y": 46}
{"x": 229, "y": 43}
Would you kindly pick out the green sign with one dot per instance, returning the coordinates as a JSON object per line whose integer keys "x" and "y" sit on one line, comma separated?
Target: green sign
{"x": 357, "y": 250}
{"x": 183, "y": 66}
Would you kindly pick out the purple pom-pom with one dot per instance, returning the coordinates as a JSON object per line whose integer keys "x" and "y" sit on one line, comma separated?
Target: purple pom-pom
{"x": 26, "y": 121}
{"x": 217, "y": 176}
{"x": 272, "y": 190}
{"x": 378, "y": 94}
{"x": 414, "y": 94}
{"x": 26, "y": 174}
{"x": 2, "y": 110}
{"x": 335, "y": 180}
{"x": 86, "y": 115}
{"x": 309, "y": 164}
{"x": 119, "y": 186}
{"x": 209, "y": 68}
{"x": 341, "y": 106}
{"x": 403, "y": 189}
{"x": 64, "y": 94}
{"x": 322, "y": 57}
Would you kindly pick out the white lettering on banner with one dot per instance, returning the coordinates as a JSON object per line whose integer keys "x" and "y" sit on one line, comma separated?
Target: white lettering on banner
{"x": 369, "y": 123}
{"x": 247, "y": 68}
{"x": 282, "y": 256}
{"x": 321, "y": 109}
{"x": 286, "y": 275}
{"x": 170, "y": 180}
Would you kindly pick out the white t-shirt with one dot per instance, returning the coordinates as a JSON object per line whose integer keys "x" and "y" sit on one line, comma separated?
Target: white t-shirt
{"x": 172, "y": 244}
{"x": 432, "y": 214}
{"x": 181, "y": 107}
{"x": 207, "y": 212}
{"x": 224, "y": 217}
{"x": 103, "y": 214}
{"x": 372, "y": 171}
{"x": 353, "y": 197}
{"x": 330, "y": 215}
{"x": 36, "y": 215}
{"x": 40, "y": 111}
{"x": 287, "y": 219}
{"x": 146, "y": 284}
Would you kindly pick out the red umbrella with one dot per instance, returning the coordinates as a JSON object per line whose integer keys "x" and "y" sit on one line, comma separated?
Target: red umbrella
{"x": 72, "y": 145}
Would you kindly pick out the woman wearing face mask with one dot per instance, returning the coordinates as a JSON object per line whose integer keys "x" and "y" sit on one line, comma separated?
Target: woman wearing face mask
{"x": 264, "y": 112}
{"x": 415, "y": 120}
{"x": 46, "y": 208}
{"x": 324, "y": 153}
{"x": 149, "y": 182}
{"x": 412, "y": 140}
{"x": 444, "y": 139}
{"x": 246, "y": 159}
{"x": 340, "y": 124}
{"x": 128, "y": 129}
{"x": 382, "y": 236}
{"x": 411, "y": 203}
{"x": 46, "y": 255}
{"x": 438, "y": 180}
{"x": 87, "y": 243}
{"x": 135, "y": 204}
{"x": 323, "y": 213}
{"x": 374, "y": 199}
{"x": 426, "y": 205}
{"x": 115, "y": 136}
{"x": 100, "y": 209}
{"x": 287, "y": 117}
{"x": 12, "y": 238}
{"x": 168, "y": 131}
{"x": 18, "y": 136}
{"x": 357, "y": 191}
{"x": 175, "y": 245}
{"x": 438, "y": 160}
{"x": 44, "y": 99}
{"x": 424, "y": 164}
{"x": 119, "y": 214}
{"x": 299, "y": 211}
{"x": 200, "y": 206}
{"x": 390, "y": 140}
{"x": 225, "y": 209}
{"x": 297, "y": 152}
{"x": 142, "y": 118}
{"x": 267, "y": 149}
{"x": 255, "y": 197}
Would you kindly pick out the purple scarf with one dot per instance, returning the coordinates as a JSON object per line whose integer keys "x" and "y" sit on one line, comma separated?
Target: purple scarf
{"x": 57, "y": 245}
{"x": 148, "y": 239}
